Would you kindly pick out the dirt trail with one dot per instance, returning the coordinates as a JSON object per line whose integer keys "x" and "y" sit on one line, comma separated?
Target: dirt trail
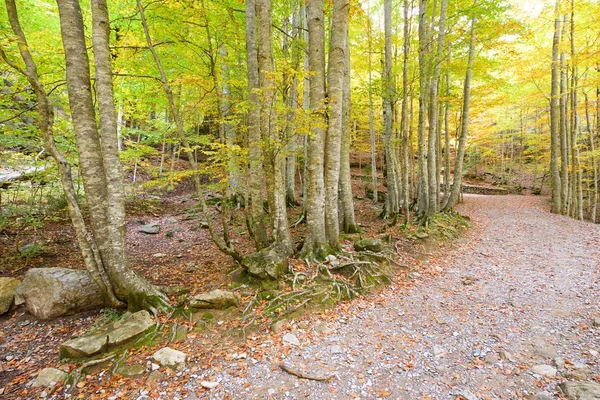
{"x": 522, "y": 291}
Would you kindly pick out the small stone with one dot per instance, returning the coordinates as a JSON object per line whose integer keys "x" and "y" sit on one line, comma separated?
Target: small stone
{"x": 278, "y": 326}
{"x": 593, "y": 353}
{"x": 543, "y": 370}
{"x": 505, "y": 355}
{"x": 596, "y": 322}
{"x": 543, "y": 396}
{"x": 209, "y": 385}
{"x": 159, "y": 255}
{"x": 169, "y": 357}
{"x": 438, "y": 351}
{"x": 336, "y": 349}
{"x": 217, "y": 299}
{"x": 421, "y": 235}
{"x": 559, "y": 362}
{"x": 44, "y": 394}
{"x": 150, "y": 229}
{"x": 322, "y": 328}
{"x": 48, "y": 377}
{"x": 414, "y": 275}
{"x": 545, "y": 351}
{"x": 154, "y": 366}
{"x": 130, "y": 371}
{"x": 154, "y": 377}
{"x": 291, "y": 339}
{"x": 467, "y": 395}
{"x": 374, "y": 245}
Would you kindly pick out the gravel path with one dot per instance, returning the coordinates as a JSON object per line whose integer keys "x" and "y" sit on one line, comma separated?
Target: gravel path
{"x": 510, "y": 316}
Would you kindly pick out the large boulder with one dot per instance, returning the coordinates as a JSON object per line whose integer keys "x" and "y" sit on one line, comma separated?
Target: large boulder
{"x": 268, "y": 263}
{"x": 125, "y": 330}
{"x": 53, "y": 292}
{"x": 581, "y": 390}
{"x": 374, "y": 245}
{"x": 217, "y": 299}
{"x": 8, "y": 289}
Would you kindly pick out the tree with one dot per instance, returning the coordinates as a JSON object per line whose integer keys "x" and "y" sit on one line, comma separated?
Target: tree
{"x": 554, "y": 120}
{"x": 98, "y": 157}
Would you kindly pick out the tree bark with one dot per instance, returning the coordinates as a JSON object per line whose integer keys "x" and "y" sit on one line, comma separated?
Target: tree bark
{"x": 554, "y": 120}
{"x": 346, "y": 203}
{"x": 434, "y": 114}
{"x": 373, "y": 148}
{"x": 255, "y": 166}
{"x": 392, "y": 200}
{"x": 315, "y": 241}
{"x": 564, "y": 134}
{"x": 423, "y": 191}
{"x": 333, "y": 141}
{"x": 464, "y": 129}
{"x": 404, "y": 119}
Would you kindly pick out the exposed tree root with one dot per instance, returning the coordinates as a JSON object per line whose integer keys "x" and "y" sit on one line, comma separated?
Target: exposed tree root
{"x": 299, "y": 374}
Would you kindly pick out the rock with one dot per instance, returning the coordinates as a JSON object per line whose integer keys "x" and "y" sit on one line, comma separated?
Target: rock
{"x": 217, "y": 299}
{"x": 131, "y": 371}
{"x": 545, "y": 351}
{"x": 421, "y": 235}
{"x": 467, "y": 395}
{"x": 209, "y": 385}
{"x": 579, "y": 372}
{"x": 8, "y": 289}
{"x": 593, "y": 353}
{"x": 374, "y": 245}
{"x": 543, "y": 370}
{"x": 322, "y": 328}
{"x": 596, "y": 322}
{"x": 49, "y": 377}
{"x": 438, "y": 351}
{"x": 336, "y": 349}
{"x": 543, "y": 396}
{"x": 291, "y": 339}
{"x": 414, "y": 275}
{"x": 268, "y": 263}
{"x": 278, "y": 326}
{"x": 468, "y": 280}
{"x": 119, "y": 333}
{"x": 154, "y": 377}
{"x": 150, "y": 229}
{"x": 581, "y": 390}
{"x": 169, "y": 357}
{"x": 505, "y": 355}
{"x": 53, "y": 292}
{"x": 559, "y": 362}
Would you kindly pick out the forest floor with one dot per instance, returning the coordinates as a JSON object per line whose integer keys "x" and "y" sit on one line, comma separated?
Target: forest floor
{"x": 519, "y": 291}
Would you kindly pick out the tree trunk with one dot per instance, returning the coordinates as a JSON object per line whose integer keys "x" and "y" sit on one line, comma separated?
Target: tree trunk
{"x": 269, "y": 130}
{"x": 346, "y": 204}
{"x": 333, "y": 141}
{"x": 434, "y": 114}
{"x": 373, "y": 148}
{"x": 98, "y": 152}
{"x": 554, "y": 120}
{"x": 315, "y": 240}
{"x": 392, "y": 200}
{"x": 564, "y": 134}
{"x": 594, "y": 195}
{"x": 423, "y": 191}
{"x": 255, "y": 165}
{"x": 464, "y": 128}
{"x": 404, "y": 119}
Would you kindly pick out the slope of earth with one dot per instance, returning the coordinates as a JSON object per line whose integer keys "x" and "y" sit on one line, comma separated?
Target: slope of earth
{"x": 510, "y": 316}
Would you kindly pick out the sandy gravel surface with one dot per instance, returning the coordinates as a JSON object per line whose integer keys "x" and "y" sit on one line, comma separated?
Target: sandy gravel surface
{"x": 510, "y": 315}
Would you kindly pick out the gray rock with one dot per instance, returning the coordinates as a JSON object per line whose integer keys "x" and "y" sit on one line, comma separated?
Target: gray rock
{"x": 543, "y": 370}
{"x": 8, "y": 289}
{"x": 49, "y": 377}
{"x": 559, "y": 362}
{"x": 581, "y": 390}
{"x": 54, "y": 292}
{"x": 596, "y": 322}
{"x": 543, "y": 396}
{"x": 438, "y": 351}
{"x": 131, "y": 371}
{"x": 154, "y": 377}
{"x": 322, "y": 328}
{"x": 278, "y": 326}
{"x": 217, "y": 299}
{"x": 374, "y": 245}
{"x": 150, "y": 229}
{"x": 336, "y": 349}
{"x": 119, "y": 333}
{"x": 169, "y": 357}
{"x": 291, "y": 339}
{"x": 421, "y": 235}
{"x": 545, "y": 350}
{"x": 268, "y": 263}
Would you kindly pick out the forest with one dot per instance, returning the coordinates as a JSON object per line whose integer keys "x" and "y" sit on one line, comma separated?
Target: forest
{"x": 286, "y": 199}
